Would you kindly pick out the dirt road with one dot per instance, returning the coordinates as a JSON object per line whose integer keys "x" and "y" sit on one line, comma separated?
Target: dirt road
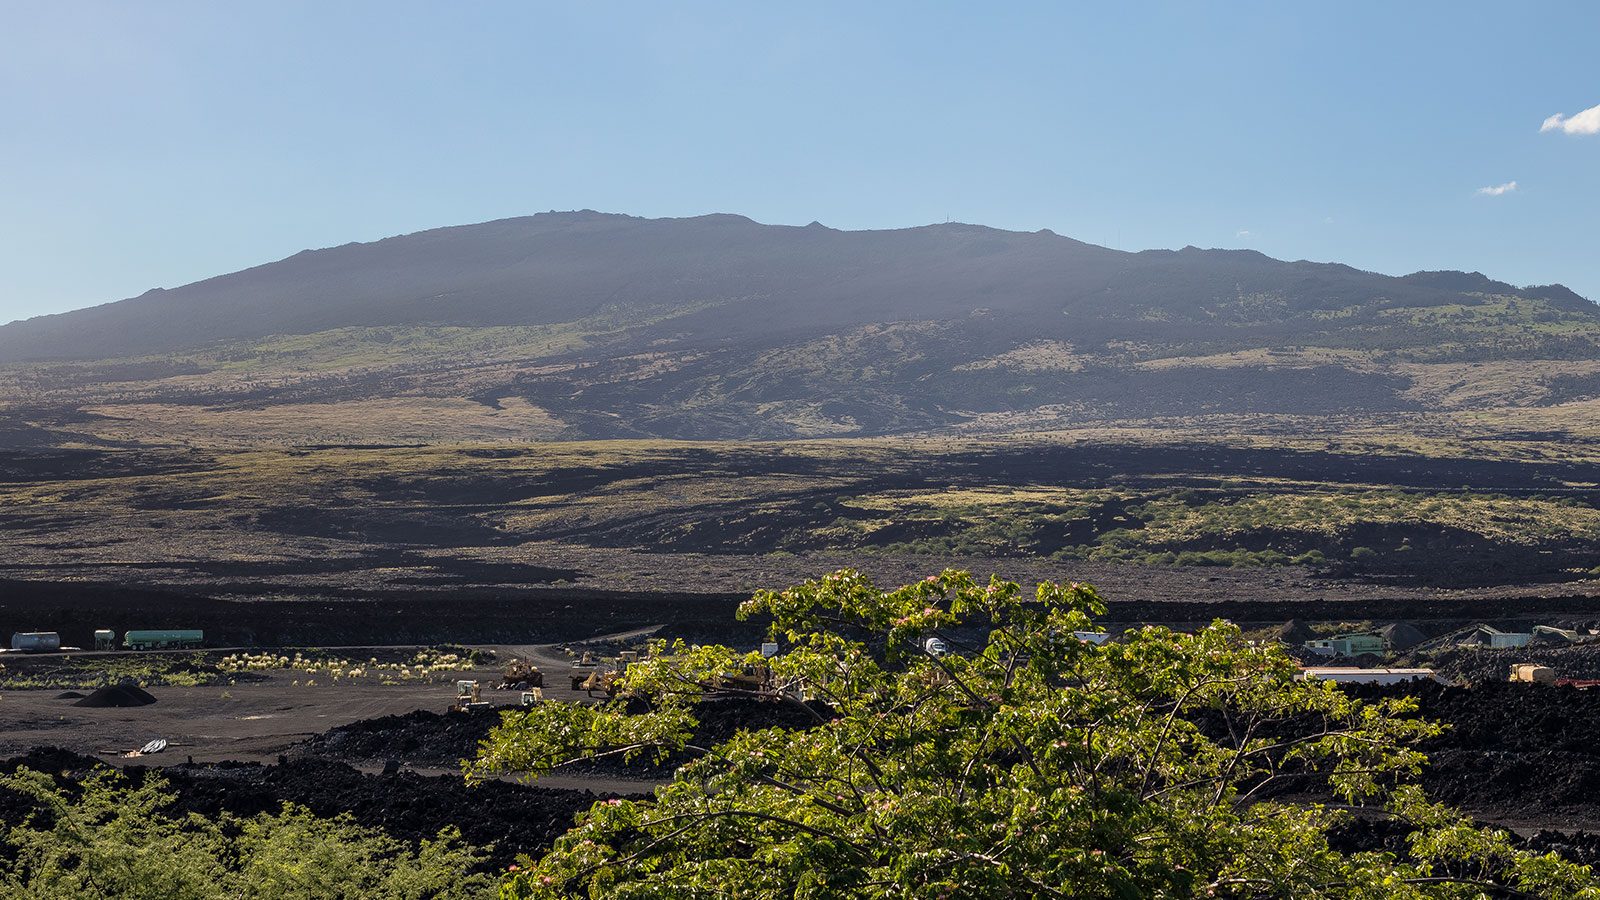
{"x": 254, "y": 720}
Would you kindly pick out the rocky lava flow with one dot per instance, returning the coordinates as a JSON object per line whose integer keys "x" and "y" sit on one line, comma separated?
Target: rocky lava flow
{"x": 1517, "y": 751}
{"x": 1521, "y": 754}
{"x": 1486, "y": 664}
{"x": 1527, "y": 755}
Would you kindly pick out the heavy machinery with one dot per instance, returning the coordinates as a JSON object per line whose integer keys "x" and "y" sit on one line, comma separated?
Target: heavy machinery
{"x": 469, "y": 697}
{"x": 602, "y": 680}
{"x": 1533, "y": 674}
{"x": 583, "y": 670}
{"x": 524, "y": 673}
{"x": 756, "y": 679}
{"x": 591, "y": 673}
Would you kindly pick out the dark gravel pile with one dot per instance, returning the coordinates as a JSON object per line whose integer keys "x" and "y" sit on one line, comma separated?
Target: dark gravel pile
{"x": 118, "y": 695}
{"x": 514, "y": 818}
{"x": 420, "y": 738}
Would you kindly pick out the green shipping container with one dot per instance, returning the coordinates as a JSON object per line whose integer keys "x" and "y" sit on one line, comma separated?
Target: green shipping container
{"x": 164, "y": 639}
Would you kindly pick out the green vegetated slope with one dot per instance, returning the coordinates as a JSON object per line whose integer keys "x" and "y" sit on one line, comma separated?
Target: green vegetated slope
{"x": 1479, "y": 513}
{"x": 583, "y": 325}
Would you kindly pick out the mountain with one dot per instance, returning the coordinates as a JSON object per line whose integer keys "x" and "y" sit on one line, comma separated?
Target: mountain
{"x": 583, "y": 324}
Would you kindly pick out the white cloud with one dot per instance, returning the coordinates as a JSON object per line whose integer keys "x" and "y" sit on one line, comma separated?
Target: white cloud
{"x": 1496, "y": 191}
{"x": 1244, "y": 234}
{"x": 1586, "y": 122}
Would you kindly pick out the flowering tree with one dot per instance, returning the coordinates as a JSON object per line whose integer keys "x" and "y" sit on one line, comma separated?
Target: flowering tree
{"x": 1025, "y": 763}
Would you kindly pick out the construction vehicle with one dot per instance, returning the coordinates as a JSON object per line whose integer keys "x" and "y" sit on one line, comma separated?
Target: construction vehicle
{"x": 607, "y": 680}
{"x": 1529, "y": 673}
{"x": 524, "y": 673}
{"x": 532, "y": 696}
{"x": 755, "y": 678}
{"x": 469, "y": 697}
{"x": 583, "y": 670}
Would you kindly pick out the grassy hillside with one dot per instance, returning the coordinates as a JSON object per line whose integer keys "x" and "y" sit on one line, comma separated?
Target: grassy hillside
{"x": 578, "y": 380}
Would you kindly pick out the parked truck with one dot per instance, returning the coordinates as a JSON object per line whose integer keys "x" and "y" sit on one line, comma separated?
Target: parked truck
{"x": 164, "y": 639}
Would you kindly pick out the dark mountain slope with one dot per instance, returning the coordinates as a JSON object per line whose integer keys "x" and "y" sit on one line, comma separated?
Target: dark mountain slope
{"x": 590, "y": 325}
{"x": 731, "y": 278}
{"x": 560, "y": 267}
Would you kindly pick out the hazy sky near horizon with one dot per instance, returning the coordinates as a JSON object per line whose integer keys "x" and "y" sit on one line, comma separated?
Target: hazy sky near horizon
{"x": 158, "y": 143}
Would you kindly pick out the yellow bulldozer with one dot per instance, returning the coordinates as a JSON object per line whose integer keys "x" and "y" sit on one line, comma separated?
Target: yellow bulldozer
{"x": 522, "y": 672}
{"x": 756, "y": 679}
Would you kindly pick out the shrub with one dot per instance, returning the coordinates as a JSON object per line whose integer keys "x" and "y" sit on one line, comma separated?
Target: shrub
{"x": 1026, "y": 764}
{"x": 114, "y": 840}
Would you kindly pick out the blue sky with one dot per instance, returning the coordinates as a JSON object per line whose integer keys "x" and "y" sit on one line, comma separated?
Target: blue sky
{"x": 157, "y": 143}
